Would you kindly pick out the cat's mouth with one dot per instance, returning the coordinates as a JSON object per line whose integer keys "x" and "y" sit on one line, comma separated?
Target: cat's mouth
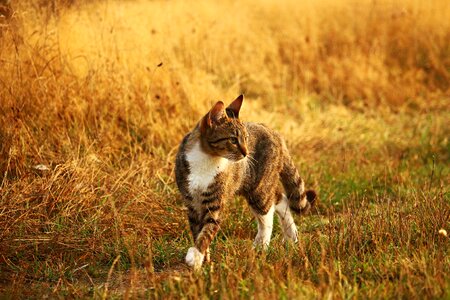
{"x": 236, "y": 158}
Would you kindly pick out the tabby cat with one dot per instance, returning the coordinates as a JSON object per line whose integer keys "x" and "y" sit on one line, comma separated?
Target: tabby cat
{"x": 223, "y": 157}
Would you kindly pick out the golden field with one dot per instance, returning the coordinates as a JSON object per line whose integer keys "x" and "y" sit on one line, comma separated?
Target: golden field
{"x": 96, "y": 95}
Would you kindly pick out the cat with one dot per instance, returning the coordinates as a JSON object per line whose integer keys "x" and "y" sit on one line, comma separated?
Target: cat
{"x": 223, "y": 157}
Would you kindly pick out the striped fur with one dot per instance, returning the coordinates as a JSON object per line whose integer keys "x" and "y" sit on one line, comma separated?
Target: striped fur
{"x": 223, "y": 157}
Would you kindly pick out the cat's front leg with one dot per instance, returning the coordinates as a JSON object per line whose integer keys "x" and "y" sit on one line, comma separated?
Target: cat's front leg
{"x": 194, "y": 258}
{"x": 208, "y": 216}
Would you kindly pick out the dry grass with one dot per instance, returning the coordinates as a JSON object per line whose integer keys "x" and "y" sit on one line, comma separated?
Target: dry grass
{"x": 101, "y": 93}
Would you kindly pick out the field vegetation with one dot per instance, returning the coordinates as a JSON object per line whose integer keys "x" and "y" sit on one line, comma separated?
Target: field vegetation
{"x": 95, "y": 97}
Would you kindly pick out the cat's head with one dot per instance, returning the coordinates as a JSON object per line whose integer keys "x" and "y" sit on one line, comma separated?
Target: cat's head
{"x": 222, "y": 133}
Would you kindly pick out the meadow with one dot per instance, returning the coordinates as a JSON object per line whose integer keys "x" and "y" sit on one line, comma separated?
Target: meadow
{"x": 95, "y": 97}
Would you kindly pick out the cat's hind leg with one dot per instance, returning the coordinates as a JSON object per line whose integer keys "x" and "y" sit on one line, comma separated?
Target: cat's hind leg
{"x": 286, "y": 220}
{"x": 265, "y": 226}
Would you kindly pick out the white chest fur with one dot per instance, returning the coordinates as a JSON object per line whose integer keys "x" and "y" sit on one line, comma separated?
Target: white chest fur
{"x": 203, "y": 168}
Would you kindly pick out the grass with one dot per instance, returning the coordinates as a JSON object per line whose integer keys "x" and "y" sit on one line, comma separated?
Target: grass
{"x": 101, "y": 93}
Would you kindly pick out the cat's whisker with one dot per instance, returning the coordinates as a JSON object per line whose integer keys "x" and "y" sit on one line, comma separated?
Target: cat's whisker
{"x": 251, "y": 161}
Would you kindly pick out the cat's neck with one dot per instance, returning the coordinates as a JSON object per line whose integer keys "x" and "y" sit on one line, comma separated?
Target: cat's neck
{"x": 203, "y": 167}
{"x": 197, "y": 155}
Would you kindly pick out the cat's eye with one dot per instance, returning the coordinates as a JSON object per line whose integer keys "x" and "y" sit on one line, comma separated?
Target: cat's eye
{"x": 234, "y": 141}
{"x": 218, "y": 141}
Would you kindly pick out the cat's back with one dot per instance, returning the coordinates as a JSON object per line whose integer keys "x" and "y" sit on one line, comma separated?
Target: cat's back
{"x": 262, "y": 136}
{"x": 267, "y": 152}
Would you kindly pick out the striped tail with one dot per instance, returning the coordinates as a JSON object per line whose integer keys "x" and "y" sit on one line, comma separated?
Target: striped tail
{"x": 300, "y": 201}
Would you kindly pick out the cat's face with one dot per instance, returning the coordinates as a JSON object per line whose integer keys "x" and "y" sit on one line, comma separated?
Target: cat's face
{"x": 222, "y": 133}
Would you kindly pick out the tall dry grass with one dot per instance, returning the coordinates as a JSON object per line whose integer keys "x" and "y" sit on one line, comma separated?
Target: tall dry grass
{"x": 100, "y": 93}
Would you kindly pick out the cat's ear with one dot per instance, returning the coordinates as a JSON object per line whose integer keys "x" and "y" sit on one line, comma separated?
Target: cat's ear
{"x": 234, "y": 107}
{"x": 217, "y": 112}
{"x": 213, "y": 116}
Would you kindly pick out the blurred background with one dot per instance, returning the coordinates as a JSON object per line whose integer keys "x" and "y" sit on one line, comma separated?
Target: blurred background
{"x": 95, "y": 97}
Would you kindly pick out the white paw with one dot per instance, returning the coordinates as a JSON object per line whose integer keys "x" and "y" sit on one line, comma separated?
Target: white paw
{"x": 194, "y": 258}
{"x": 291, "y": 234}
{"x": 260, "y": 243}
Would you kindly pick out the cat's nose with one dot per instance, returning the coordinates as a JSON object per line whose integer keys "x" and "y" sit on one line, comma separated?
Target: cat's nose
{"x": 243, "y": 150}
